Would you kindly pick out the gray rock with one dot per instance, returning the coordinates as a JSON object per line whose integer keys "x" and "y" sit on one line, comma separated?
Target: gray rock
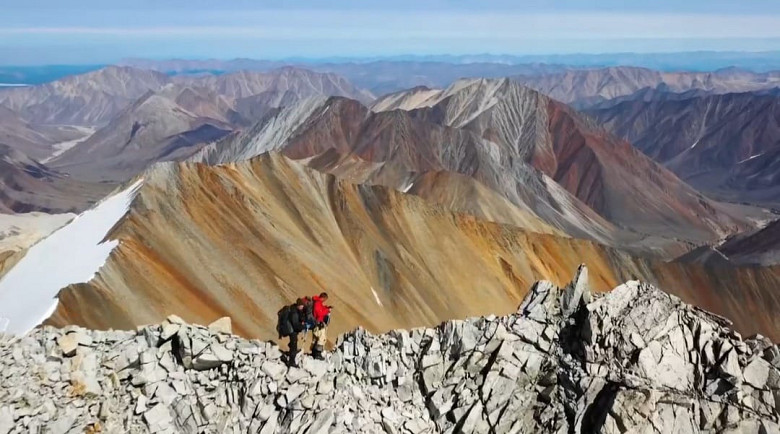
{"x": 322, "y": 423}
{"x": 169, "y": 330}
{"x": 577, "y": 292}
{"x": 158, "y": 418}
{"x": 646, "y": 361}
{"x": 222, "y": 325}
{"x": 165, "y": 394}
{"x": 63, "y": 424}
{"x": 274, "y": 370}
{"x": 730, "y": 366}
{"x": 6, "y": 419}
{"x": 215, "y": 356}
{"x": 756, "y": 373}
{"x": 294, "y": 392}
{"x": 68, "y": 344}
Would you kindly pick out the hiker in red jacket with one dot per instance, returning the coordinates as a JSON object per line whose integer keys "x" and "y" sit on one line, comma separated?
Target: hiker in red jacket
{"x": 321, "y": 314}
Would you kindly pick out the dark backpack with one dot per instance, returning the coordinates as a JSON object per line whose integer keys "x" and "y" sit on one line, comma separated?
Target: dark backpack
{"x": 309, "y": 312}
{"x": 283, "y": 326}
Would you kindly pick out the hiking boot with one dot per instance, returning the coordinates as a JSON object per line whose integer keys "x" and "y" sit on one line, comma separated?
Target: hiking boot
{"x": 317, "y": 354}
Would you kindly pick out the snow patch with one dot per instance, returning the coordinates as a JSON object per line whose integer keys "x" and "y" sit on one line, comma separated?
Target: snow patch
{"x": 60, "y": 148}
{"x": 72, "y": 254}
{"x": 376, "y": 296}
{"x": 750, "y": 158}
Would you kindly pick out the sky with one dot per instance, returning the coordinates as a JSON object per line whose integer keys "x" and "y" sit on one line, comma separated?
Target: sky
{"x": 89, "y": 31}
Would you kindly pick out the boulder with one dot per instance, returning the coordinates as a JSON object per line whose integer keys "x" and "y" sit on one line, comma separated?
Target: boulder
{"x": 756, "y": 373}
{"x": 222, "y": 325}
{"x": 68, "y": 344}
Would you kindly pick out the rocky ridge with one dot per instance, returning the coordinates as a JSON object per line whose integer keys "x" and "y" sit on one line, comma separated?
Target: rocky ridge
{"x": 635, "y": 359}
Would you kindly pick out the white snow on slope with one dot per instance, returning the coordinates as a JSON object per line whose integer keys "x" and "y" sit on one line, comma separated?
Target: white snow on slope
{"x": 750, "y": 158}
{"x": 60, "y": 148}
{"x": 376, "y": 296}
{"x": 72, "y": 254}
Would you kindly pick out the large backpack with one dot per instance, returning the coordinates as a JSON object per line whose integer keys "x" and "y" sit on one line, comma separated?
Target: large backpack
{"x": 309, "y": 320}
{"x": 283, "y": 326}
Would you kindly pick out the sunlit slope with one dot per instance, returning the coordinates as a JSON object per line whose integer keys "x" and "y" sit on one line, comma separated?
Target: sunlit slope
{"x": 243, "y": 239}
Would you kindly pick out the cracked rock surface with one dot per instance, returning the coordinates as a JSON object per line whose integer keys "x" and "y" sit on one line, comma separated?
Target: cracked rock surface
{"x": 633, "y": 360}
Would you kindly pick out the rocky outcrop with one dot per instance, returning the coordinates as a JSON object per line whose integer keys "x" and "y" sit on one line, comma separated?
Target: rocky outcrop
{"x": 635, "y": 359}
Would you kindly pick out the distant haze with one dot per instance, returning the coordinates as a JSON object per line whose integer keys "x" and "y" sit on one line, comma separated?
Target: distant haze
{"x": 51, "y": 31}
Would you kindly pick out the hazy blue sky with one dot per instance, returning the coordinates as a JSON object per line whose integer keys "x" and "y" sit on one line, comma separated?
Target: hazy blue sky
{"x": 74, "y": 31}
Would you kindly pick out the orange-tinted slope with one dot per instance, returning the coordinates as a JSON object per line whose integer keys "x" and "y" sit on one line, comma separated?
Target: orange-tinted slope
{"x": 243, "y": 239}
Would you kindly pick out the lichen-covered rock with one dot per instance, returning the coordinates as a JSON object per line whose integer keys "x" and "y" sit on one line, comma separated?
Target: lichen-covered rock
{"x": 633, "y": 360}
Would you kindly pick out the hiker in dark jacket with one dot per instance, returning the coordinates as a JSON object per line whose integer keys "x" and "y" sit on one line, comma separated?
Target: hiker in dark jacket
{"x": 321, "y": 317}
{"x": 291, "y": 322}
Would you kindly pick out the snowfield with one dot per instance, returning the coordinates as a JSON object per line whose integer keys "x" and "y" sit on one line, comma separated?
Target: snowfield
{"x": 72, "y": 254}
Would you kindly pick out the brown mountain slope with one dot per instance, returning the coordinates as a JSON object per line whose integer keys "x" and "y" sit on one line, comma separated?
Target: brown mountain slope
{"x": 394, "y": 149}
{"x": 27, "y": 185}
{"x": 35, "y": 141}
{"x": 606, "y": 173}
{"x": 722, "y": 144}
{"x": 760, "y": 247}
{"x": 585, "y": 87}
{"x": 155, "y": 128}
{"x": 533, "y": 151}
{"x": 244, "y": 238}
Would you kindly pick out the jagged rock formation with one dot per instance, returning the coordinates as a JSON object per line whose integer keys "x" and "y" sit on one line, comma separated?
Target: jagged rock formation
{"x": 633, "y": 360}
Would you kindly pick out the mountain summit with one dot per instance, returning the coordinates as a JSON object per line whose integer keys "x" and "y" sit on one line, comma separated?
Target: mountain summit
{"x": 632, "y": 360}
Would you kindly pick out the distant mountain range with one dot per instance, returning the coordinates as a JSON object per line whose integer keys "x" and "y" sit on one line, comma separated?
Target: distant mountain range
{"x": 726, "y": 145}
{"x": 141, "y": 116}
{"x": 95, "y": 98}
{"x": 548, "y": 166}
{"x": 584, "y": 88}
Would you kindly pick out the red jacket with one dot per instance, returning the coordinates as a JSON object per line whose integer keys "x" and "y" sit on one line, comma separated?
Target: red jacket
{"x": 320, "y": 311}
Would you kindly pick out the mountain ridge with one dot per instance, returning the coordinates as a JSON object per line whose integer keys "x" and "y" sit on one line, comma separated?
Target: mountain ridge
{"x": 386, "y": 257}
{"x": 640, "y": 359}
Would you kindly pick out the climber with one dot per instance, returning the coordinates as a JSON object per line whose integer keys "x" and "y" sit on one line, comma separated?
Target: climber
{"x": 290, "y": 323}
{"x": 321, "y": 314}
{"x": 308, "y": 318}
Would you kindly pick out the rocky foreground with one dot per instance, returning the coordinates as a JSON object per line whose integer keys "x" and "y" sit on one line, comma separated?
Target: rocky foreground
{"x": 633, "y": 360}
